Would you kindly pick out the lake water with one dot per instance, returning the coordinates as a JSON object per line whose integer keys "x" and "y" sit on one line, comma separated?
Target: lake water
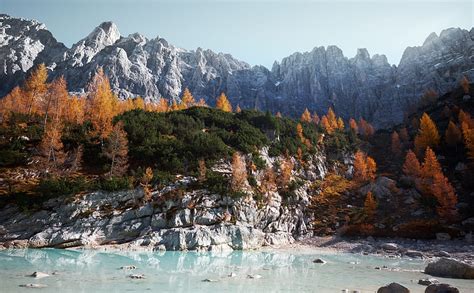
{"x": 281, "y": 271}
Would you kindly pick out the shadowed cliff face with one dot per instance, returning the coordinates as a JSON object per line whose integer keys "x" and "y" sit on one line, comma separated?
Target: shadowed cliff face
{"x": 361, "y": 86}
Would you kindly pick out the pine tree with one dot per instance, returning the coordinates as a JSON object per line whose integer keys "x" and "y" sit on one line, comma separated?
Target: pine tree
{"x": 465, "y": 118}
{"x": 239, "y": 172}
{"x": 306, "y": 116}
{"x": 427, "y": 134}
{"x": 396, "y": 145}
{"x": 360, "y": 166}
{"x": 353, "y": 126}
{"x": 117, "y": 150}
{"x": 101, "y": 105}
{"x": 370, "y": 206}
{"x": 465, "y": 84}
{"x": 453, "y": 135}
{"x": 35, "y": 88}
{"x": 223, "y": 103}
{"x": 411, "y": 167}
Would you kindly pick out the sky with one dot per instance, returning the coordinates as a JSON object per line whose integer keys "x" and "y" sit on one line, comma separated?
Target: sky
{"x": 260, "y": 31}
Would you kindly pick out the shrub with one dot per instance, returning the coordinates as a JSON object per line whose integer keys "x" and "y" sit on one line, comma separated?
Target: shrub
{"x": 116, "y": 183}
{"x": 55, "y": 187}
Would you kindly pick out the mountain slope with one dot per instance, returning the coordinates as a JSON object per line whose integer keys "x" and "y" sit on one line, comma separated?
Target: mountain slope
{"x": 361, "y": 86}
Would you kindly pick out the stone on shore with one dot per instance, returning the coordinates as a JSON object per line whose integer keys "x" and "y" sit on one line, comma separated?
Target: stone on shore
{"x": 414, "y": 254}
{"x": 441, "y": 288}
{"x": 137, "y": 276}
{"x": 450, "y": 268}
{"x": 443, "y": 236}
{"x": 254, "y": 277}
{"x": 393, "y": 288}
{"x": 319, "y": 260}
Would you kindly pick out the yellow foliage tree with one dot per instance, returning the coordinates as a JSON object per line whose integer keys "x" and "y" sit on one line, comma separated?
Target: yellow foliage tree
{"x": 239, "y": 172}
{"x": 371, "y": 168}
{"x": 465, "y": 84}
{"x": 237, "y": 109}
{"x": 360, "y": 166}
{"x": 340, "y": 123}
{"x": 315, "y": 118}
{"x": 187, "y": 99}
{"x": 353, "y": 126}
{"x": 427, "y": 134}
{"x": 299, "y": 132}
{"x": 117, "y": 150}
{"x": 36, "y": 88}
{"x": 306, "y": 116}
{"x": 101, "y": 105}
{"x": 223, "y": 103}
{"x": 145, "y": 183}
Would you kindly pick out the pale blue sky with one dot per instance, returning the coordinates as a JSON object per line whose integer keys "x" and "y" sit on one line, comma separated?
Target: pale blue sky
{"x": 258, "y": 32}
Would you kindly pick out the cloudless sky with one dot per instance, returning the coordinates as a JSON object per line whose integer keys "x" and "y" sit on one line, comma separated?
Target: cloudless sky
{"x": 258, "y": 32}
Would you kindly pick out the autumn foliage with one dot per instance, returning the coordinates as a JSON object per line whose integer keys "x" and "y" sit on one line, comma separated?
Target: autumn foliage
{"x": 223, "y": 103}
{"x": 365, "y": 167}
{"x": 427, "y": 134}
{"x": 239, "y": 172}
{"x": 370, "y": 205}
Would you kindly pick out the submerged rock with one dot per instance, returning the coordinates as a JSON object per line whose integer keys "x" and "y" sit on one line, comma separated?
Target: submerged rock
{"x": 128, "y": 268}
{"x": 318, "y": 260}
{"x": 450, "y": 268}
{"x": 427, "y": 282}
{"x": 254, "y": 276}
{"x": 389, "y": 246}
{"x": 137, "y": 276}
{"x": 33, "y": 285}
{"x": 441, "y": 288}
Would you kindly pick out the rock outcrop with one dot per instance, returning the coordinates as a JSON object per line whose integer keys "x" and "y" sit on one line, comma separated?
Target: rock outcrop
{"x": 363, "y": 86}
{"x": 450, "y": 268}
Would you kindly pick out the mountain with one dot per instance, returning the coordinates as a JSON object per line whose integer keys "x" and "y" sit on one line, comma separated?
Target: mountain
{"x": 360, "y": 86}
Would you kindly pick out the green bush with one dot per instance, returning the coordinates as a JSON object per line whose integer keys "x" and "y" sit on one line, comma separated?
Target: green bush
{"x": 55, "y": 187}
{"x": 116, "y": 183}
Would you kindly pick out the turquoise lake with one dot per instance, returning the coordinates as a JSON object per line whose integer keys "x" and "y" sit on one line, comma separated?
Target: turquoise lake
{"x": 280, "y": 271}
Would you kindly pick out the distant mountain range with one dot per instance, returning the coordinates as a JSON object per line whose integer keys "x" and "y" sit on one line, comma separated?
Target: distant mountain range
{"x": 362, "y": 86}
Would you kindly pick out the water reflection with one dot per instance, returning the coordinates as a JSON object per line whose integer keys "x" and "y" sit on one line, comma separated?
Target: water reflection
{"x": 96, "y": 271}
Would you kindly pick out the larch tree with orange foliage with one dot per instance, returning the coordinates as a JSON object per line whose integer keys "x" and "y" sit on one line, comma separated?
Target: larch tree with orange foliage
{"x": 56, "y": 100}
{"x": 396, "y": 145}
{"x": 286, "y": 168}
{"x": 223, "y": 103}
{"x": 353, "y": 126}
{"x": 315, "y": 118}
{"x": 74, "y": 110}
{"x": 365, "y": 128}
{"x": 202, "y": 170}
{"x": 332, "y": 119}
{"x": 51, "y": 149}
{"x": 371, "y": 168}
{"x": 299, "y": 132}
{"x": 326, "y": 125}
{"x": 468, "y": 134}
{"x": 306, "y": 116}
{"x": 145, "y": 183}
{"x": 370, "y": 206}
{"x": 464, "y": 117}
{"x": 340, "y": 123}
{"x": 187, "y": 99}
{"x": 453, "y": 135}
{"x": 139, "y": 103}
{"x": 427, "y": 134}
{"x": 238, "y": 109}
{"x": 36, "y": 88}
{"x": 117, "y": 150}
{"x": 412, "y": 166}
{"x": 101, "y": 105}
{"x": 446, "y": 197}
{"x": 430, "y": 166}
{"x": 360, "y": 166}
{"x": 239, "y": 172}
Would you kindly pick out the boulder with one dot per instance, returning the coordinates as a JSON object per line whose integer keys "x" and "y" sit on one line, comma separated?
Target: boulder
{"x": 39, "y": 275}
{"x": 393, "y": 288}
{"x": 450, "y": 268}
{"x": 442, "y": 253}
{"x": 441, "y": 288}
{"x": 443, "y": 236}
{"x": 414, "y": 254}
{"x": 428, "y": 281}
{"x": 389, "y": 246}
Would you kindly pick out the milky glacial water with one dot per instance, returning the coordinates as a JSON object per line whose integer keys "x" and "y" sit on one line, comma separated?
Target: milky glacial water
{"x": 280, "y": 271}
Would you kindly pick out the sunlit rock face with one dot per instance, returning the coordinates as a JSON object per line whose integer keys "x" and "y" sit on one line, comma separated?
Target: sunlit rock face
{"x": 362, "y": 86}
